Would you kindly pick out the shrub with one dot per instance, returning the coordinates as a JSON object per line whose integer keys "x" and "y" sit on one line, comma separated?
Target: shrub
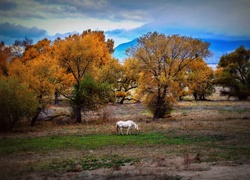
{"x": 106, "y": 115}
{"x": 16, "y": 102}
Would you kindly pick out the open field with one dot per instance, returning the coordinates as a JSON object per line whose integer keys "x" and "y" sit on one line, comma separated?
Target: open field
{"x": 201, "y": 140}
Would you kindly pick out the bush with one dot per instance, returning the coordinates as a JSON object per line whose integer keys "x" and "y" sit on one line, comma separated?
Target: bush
{"x": 16, "y": 102}
{"x": 159, "y": 108}
{"x": 106, "y": 115}
{"x": 90, "y": 95}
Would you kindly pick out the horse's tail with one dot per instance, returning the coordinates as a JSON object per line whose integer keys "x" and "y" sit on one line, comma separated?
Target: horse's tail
{"x": 117, "y": 127}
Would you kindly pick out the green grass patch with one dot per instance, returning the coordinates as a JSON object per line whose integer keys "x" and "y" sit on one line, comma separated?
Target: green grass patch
{"x": 48, "y": 143}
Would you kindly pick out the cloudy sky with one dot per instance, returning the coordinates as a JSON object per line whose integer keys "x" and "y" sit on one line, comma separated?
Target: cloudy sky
{"x": 126, "y": 20}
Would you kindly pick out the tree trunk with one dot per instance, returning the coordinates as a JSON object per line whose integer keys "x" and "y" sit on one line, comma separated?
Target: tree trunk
{"x": 33, "y": 121}
{"x": 78, "y": 113}
{"x": 160, "y": 110}
{"x": 195, "y": 96}
{"x": 122, "y": 100}
{"x": 156, "y": 114}
{"x": 56, "y": 97}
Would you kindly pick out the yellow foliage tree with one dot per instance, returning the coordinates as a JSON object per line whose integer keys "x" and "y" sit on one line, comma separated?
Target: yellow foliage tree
{"x": 161, "y": 59}
{"x": 199, "y": 79}
{"x": 127, "y": 80}
{"x": 110, "y": 71}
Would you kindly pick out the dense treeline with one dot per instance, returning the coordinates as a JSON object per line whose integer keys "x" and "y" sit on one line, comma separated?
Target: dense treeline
{"x": 160, "y": 70}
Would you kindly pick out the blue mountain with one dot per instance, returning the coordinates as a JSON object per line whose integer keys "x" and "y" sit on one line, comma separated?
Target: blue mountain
{"x": 222, "y": 47}
{"x": 120, "y": 50}
{"x": 217, "y": 47}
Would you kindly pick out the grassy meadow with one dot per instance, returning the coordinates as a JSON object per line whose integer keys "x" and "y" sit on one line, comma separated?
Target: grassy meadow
{"x": 197, "y": 132}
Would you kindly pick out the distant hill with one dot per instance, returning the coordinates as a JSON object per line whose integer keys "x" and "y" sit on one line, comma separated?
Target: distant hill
{"x": 217, "y": 47}
{"x": 120, "y": 50}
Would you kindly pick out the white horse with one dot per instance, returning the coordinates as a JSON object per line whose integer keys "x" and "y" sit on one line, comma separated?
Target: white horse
{"x": 126, "y": 124}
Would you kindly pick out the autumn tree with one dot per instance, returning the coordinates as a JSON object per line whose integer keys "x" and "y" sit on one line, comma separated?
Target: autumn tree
{"x": 199, "y": 79}
{"x": 127, "y": 80}
{"x": 234, "y": 74}
{"x": 8, "y": 53}
{"x": 161, "y": 58}
{"x": 110, "y": 71}
{"x": 38, "y": 71}
{"x": 122, "y": 76}
{"x": 82, "y": 54}
{"x": 109, "y": 43}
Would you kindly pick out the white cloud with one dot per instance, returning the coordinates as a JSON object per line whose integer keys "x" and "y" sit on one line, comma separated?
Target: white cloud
{"x": 54, "y": 26}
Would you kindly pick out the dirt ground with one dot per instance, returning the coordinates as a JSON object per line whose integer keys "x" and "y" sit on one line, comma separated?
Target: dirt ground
{"x": 229, "y": 119}
{"x": 170, "y": 169}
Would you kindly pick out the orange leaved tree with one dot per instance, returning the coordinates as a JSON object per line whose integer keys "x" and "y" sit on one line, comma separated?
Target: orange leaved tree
{"x": 81, "y": 55}
{"x": 38, "y": 71}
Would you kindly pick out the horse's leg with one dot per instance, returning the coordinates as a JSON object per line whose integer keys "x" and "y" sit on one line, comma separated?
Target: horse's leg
{"x": 121, "y": 131}
{"x": 128, "y": 130}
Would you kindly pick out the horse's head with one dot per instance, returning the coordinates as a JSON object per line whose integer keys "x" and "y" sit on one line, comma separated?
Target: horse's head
{"x": 137, "y": 127}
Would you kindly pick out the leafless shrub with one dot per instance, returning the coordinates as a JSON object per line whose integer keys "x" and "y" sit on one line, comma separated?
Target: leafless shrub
{"x": 106, "y": 115}
{"x": 186, "y": 160}
{"x": 189, "y": 159}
